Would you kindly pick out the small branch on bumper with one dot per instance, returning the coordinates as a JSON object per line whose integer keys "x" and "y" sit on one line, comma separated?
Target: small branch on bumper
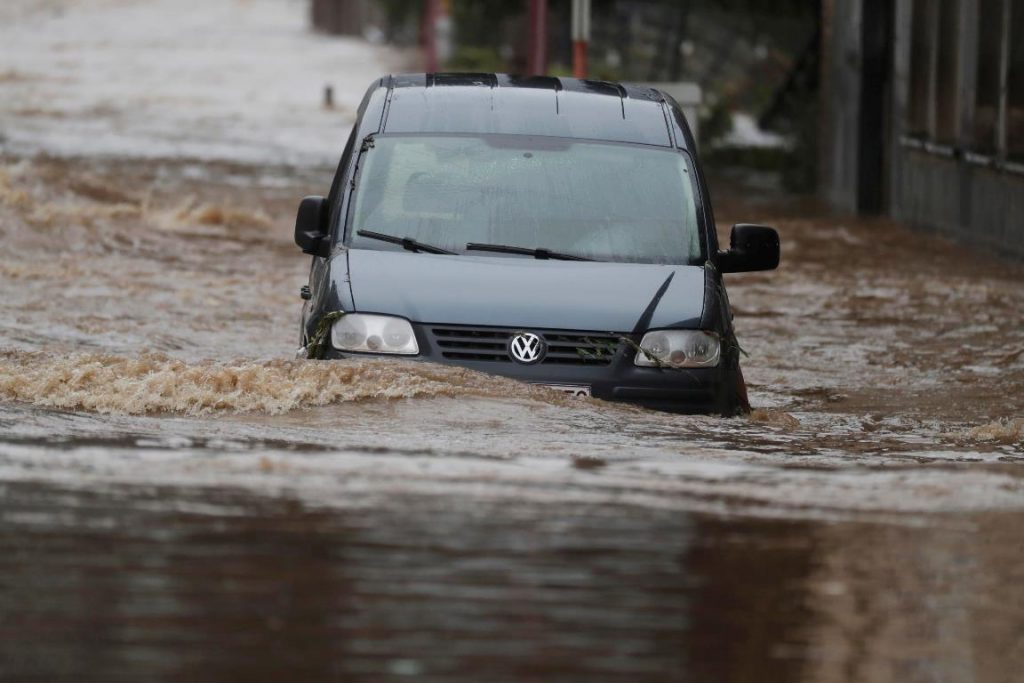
{"x": 316, "y": 349}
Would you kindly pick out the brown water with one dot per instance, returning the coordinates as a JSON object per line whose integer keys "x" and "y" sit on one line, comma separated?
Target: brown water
{"x": 212, "y": 584}
{"x": 178, "y": 499}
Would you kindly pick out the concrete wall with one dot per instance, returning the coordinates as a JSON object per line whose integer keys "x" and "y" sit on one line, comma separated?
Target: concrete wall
{"x": 979, "y": 206}
{"x": 948, "y": 189}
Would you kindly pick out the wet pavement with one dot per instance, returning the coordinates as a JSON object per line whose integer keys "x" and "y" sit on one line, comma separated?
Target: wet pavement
{"x": 179, "y": 499}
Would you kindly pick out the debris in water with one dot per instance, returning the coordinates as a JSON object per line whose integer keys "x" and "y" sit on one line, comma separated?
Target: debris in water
{"x": 1006, "y": 431}
{"x": 588, "y": 462}
{"x": 11, "y": 196}
{"x": 774, "y": 418}
{"x": 213, "y": 214}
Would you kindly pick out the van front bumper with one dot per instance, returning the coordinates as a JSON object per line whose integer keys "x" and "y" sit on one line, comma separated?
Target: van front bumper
{"x": 614, "y": 377}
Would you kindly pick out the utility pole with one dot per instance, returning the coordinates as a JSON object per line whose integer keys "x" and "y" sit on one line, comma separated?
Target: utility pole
{"x": 580, "y": 37}
{"x": 537, "y": 59}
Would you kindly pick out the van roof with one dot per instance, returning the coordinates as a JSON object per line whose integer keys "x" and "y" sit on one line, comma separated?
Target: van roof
{"x": 533, "y": 105}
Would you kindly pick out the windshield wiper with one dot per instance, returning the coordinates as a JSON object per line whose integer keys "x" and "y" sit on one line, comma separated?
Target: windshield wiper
{"x": 535, "y": 253}
{"x": 407, "y": 243}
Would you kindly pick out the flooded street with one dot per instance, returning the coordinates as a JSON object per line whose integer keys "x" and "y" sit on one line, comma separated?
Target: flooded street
{"x": 181, "y": 500}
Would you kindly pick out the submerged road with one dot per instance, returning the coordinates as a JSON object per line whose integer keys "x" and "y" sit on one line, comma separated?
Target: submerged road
{"x": 179, "y": 499}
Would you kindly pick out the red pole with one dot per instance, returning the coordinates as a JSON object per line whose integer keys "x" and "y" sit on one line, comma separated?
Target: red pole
{"x": 579, "y": 58}
{"x": 580, "y": 36}
{"x": 428, "y": 34}
{"x": 537, "y": 59}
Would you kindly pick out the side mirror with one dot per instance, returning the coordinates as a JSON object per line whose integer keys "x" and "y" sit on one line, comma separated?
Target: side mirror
{"x": 311, "y": 227}
{"x": 751, "y": 247}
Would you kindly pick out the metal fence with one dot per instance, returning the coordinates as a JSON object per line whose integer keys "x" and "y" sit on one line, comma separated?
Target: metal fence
{"x": 927, "y": 124}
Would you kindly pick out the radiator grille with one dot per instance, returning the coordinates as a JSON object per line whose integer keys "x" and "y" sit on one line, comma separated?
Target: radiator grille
{"x": 491, "y": 344}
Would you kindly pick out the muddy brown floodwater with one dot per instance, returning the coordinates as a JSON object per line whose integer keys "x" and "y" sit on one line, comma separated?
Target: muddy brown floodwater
{"x": 181, "y": 501}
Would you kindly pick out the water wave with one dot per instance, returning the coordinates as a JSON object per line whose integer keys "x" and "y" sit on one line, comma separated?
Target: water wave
{"x": 1008, "y": 431}
{"x": 156, "y": 383}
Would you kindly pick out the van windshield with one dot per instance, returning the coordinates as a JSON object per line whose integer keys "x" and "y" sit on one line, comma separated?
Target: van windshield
{"x": 599, "y": 201}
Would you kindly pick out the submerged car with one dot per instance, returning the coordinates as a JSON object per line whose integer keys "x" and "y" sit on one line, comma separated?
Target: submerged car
{"x": 552, "y": 230}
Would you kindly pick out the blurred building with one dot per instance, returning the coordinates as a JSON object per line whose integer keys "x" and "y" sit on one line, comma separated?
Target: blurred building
{"x": 923, "y": 114}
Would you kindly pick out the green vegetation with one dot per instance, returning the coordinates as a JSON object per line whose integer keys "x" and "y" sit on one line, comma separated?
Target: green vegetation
{"x": 316, "y": 349}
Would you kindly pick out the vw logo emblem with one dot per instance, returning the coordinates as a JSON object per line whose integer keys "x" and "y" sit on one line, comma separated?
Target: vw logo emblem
{"x": 526, "y": 348}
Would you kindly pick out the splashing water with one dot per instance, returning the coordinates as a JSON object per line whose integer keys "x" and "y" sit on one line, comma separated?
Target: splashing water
{"x": 156, "y": 383}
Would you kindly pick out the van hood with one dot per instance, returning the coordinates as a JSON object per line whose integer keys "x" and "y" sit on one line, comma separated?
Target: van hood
{"x": 525, "y": 292}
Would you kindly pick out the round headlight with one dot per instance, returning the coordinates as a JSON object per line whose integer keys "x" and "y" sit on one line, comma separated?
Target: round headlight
{"x": 371, "y": 333}
{"x": 349, "y": 332}
{"x": 656, "y": 345}
{"x": 397, "y": 334}
{"x": 677, "y": 357}
{"x": 700, "y": 348}
{"x": 679, "y": 349}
